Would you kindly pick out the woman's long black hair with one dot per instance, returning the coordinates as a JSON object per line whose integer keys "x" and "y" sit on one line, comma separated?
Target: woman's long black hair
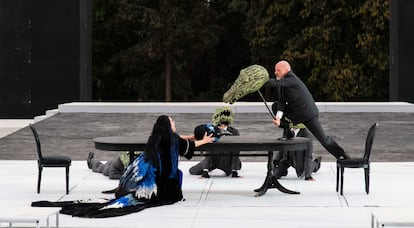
{"x": 161, "y": 132}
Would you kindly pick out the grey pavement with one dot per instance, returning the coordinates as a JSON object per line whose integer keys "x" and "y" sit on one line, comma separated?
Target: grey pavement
{"x": 71, "y": 133}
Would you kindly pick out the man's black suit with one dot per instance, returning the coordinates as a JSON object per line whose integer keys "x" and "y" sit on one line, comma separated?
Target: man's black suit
{"x": 297, "y": 103}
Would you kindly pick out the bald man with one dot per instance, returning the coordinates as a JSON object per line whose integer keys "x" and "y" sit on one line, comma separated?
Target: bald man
{"x": 296, "y": 102}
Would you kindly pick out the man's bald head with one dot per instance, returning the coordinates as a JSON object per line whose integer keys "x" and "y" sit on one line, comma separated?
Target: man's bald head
{"x": 281, "y": 69}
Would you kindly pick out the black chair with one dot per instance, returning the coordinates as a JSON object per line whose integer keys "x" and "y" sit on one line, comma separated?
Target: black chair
{"x": 49, "y": 161}
{"x": 363, "y": 162}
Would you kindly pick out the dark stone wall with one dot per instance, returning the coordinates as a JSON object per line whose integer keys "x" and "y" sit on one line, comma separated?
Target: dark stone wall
{"x": 45, "y": 55}
{"x": 402, "y": 50}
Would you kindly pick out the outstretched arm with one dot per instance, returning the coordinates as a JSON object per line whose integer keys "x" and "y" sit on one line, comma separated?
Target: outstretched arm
{"x": 189, "y": 137}
{"x": 187, "y": 146}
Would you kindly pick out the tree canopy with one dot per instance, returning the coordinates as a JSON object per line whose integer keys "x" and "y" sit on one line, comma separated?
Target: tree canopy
{"x": 193, "y": 50}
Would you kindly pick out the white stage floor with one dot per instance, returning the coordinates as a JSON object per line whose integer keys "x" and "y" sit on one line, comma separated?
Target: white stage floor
{"x": 223, "y": 201}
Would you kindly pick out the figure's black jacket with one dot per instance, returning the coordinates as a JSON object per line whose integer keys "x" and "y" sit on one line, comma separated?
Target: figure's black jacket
{"x": 295, "y": 100}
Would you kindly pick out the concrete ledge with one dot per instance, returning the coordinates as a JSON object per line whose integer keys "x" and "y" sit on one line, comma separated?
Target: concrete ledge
{"x": 48, "y": 114}
{"x": 209, "y": 107}
{"x": 365, "y": 107}
{"x": 8, "y": 126}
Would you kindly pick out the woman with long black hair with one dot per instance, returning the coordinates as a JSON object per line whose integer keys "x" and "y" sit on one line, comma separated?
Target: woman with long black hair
{"x": 153, "y": 179}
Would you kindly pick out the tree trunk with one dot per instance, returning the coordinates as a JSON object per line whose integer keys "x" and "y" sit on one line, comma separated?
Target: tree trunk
{"x": 167, "y": 77}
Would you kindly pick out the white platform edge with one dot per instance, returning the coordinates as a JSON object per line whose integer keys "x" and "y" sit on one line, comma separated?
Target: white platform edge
{"x": 9, "y": 126}
{"x": 209, "y": 107}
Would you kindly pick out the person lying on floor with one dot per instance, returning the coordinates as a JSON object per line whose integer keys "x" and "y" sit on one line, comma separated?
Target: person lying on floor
{"x": 113, "y": 168}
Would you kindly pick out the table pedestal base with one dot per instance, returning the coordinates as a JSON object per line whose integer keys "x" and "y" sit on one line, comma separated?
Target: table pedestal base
{"x": 271, "y": 181}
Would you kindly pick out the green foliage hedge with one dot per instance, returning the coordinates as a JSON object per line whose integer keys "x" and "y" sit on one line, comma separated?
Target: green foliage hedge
{"x": 192, "y": 50}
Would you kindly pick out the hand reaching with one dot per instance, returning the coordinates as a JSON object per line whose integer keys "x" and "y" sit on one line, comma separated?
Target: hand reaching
{"x": 208, "y": 138}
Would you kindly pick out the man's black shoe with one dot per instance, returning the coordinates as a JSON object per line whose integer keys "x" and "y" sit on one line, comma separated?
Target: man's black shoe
{"x": 345, "y": 156}
{"x": 309, "y": 178}
{"x": 287, "y": 133}
{"x": 205, "y": 174}
{"x": 234, "y": 174}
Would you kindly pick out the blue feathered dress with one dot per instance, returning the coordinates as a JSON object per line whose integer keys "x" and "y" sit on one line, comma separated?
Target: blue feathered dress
{"x": 142, "y": 185}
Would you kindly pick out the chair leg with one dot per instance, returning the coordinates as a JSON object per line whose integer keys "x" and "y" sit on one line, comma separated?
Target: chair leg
{"x": 337, "y": 178}
{"x": 39, "y": 179}
{"x": 67, "y": 179}
{"x": 366, "y": 171}
{"x": 342, "y": 180}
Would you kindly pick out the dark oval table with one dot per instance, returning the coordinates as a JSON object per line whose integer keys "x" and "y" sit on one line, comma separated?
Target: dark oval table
{"x": 263, "y": 146}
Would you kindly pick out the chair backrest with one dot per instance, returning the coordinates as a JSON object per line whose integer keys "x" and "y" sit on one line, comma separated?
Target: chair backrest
{"x": 36, "y": 136}
{"x": 370, "y": 141}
